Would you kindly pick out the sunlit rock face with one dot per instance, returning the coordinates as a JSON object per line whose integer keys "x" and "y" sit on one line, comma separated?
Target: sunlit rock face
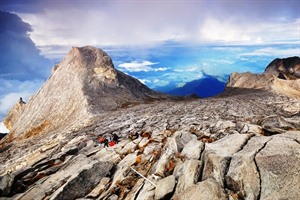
{"x": 242, "y": 144}
{"x": 84, "y": 84}
{"x": 286, "y": 68}
{"x": 281, "y": 76}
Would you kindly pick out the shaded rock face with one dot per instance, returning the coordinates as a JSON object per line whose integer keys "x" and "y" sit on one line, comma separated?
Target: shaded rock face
{"x": 286, "y": 68}
{"x": 281, "y": 76}
{"x": 84, "y": 84}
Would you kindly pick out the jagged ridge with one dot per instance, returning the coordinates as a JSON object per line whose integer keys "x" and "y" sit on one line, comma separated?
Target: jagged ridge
{"x": 83, "y": 85}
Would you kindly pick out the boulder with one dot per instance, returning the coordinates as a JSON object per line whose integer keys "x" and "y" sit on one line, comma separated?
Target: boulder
{"x": 193, "y": 149}
{"x": 243, "y": 175}
{"x": 74, "y": 180}
{"x": 246, "y": 128}
{"x": 6, "y": 182}
{"x": 189, "y": 175}
{"x": 128, "y": 148}
{"x": 276, "y": 124}
{"x": 205, "y": 190}
{"x": 135, "y": 190}
{"x": 165, "y": 187}
{"x": 183, "y": 137}
{"x": 278, "y": 165}
{"x": 217, "y": 156}
{"x": 148, "y": 189}
{"x": 222, "y": 126}
{"x": 169, "y": 150}
{"x": 285, "y": 68}
{"x": 99, "y": 188}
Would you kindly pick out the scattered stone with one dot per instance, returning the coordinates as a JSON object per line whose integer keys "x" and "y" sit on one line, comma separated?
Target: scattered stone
{"x": 51, "y": 152}
{"x": 165, "y": 187}
{"x": 278, "y": 167}
{"x": 193, "y": 149}
{"x": 189, "y": 175}
{"x": 73, "y": 181}
{"x": 99, "y": 188}
{"x": 243, "y": 174}
{"x": 246, "y": 128}
{"x": 208, "y": 190}
{"x": 217, "y": 156}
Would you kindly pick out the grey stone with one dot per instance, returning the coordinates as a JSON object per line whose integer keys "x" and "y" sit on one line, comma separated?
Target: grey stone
{"x": 206, "y": 190}
{"x": 189, "y": 175}
{"x": 72, "y": 181}
{"x": 243, "y": 175}
{"x": 278, "y": 168}
{"x": 165, "y": 187}
{"x": 193, "y": 149}
{"x": 217, "y": 156}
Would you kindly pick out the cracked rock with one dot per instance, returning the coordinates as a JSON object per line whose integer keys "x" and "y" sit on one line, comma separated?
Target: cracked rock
{"x": 217, "y": 156}
{"x": 243, "y": 176}
{"x": 205, "y": 190}
{"x": 278, "y": 165}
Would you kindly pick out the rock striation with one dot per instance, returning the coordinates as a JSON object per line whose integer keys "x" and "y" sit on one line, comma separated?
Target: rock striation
{"x": 84, "y": 84}
{"x": 243, "y": 144}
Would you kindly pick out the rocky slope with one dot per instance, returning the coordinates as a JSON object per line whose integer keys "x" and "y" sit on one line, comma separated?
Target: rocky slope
{"x": 281, "y": 76}
{"x": 85, "y": 83}
{"x": 243, "y": 144}
{"x": 286, "y": 68}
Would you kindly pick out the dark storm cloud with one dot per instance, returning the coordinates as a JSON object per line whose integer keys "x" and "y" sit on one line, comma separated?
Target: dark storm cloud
{"x": 19, "y": 57}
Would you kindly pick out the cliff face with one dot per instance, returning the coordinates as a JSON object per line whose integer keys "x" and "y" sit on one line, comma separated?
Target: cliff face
{"x": 84, "y": 84}
{"x": 286, "y": 68}
{"x": 281, "y": 76}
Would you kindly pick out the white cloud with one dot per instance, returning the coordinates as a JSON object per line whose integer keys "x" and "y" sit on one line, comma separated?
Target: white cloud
{"x": 274, "y": 52}
{"x": 161, "y": 82}
{"x": 144, "y": 81}
{"x": 3, "y": 128}
{"x": 133, "y": 23}
{"x": 233, "y": 31}
{"x": 145, "y": 66}
{"x": 12, "y": 90}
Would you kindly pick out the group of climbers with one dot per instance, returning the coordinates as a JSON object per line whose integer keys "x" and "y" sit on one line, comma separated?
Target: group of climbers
{"x": 113, "y": 139}
{"x": 110, "y": 140}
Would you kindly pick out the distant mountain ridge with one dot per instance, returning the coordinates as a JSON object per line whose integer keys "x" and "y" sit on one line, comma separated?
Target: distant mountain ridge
{"x": 207, "y": 86}
{"x": 285, "y": 68}
{"x": 282, "y": 76}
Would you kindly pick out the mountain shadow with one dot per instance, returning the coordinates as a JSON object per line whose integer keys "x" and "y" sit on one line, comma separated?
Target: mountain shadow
{"x": 204, "y": 87}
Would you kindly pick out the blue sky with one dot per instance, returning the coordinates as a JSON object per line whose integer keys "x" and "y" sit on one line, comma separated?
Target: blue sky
{"x": 165, "y": 44}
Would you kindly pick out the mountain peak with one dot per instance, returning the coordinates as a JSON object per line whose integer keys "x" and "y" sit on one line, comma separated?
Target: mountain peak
{"x": 90, "y": 61}
{"x": 285, "y": 68}
{"x": 281, "y": 76}
{"x": 83, "y": 85}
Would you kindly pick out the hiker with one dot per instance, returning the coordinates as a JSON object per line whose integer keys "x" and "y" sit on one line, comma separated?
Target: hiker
{"x": 115, "y": 138}
{"x": 21, "y": 101}
{"x": 101, "y": 140}
{"x": 106, "y": 142}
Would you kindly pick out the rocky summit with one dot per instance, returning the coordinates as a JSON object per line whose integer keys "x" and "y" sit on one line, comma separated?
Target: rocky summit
{"x": 241, "y": 144}
{"x": 84, "y": 84}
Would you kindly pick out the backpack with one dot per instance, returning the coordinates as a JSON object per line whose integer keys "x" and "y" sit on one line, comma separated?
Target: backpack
{"x": 101, "y": 139}
{"x": 111, "y": 143}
